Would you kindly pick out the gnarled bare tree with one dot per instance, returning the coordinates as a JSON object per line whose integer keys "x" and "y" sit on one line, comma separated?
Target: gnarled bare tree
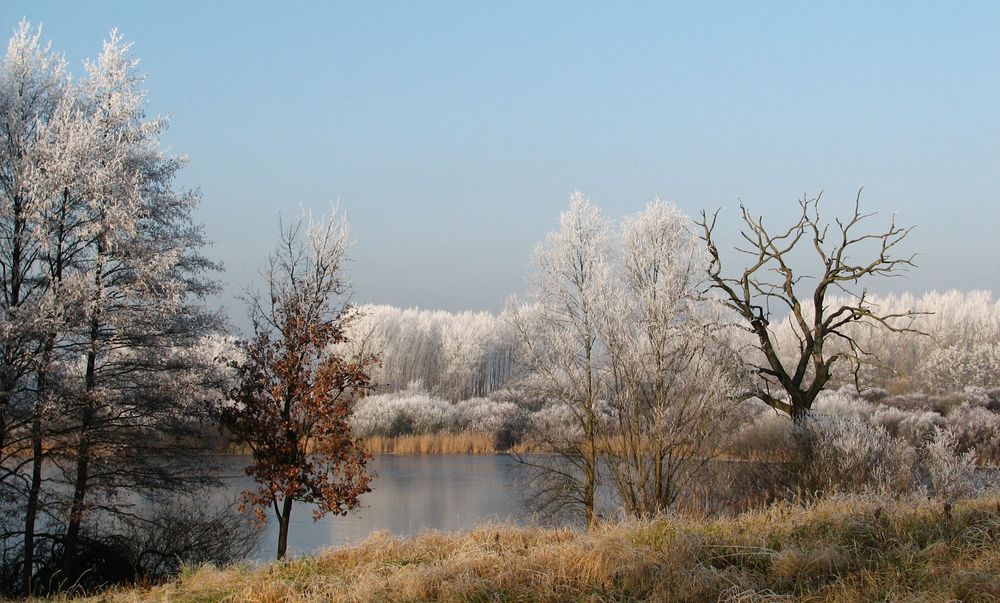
{"x": 822, "y": 312}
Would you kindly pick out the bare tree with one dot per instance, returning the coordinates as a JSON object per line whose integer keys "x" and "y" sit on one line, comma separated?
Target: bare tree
{"x": 818, "y": 313}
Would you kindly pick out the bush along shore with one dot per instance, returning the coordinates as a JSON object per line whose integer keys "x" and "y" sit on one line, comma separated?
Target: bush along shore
{"x": 859, "y": 548}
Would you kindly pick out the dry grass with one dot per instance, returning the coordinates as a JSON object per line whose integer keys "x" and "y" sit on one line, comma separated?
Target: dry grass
{"x": 443, "y": 443}
{"x": 836, "y": 550}
{"x": 432, "y": 443}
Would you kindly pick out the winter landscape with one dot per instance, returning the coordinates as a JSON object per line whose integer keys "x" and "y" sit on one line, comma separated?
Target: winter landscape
{"x": 347, "y": 330}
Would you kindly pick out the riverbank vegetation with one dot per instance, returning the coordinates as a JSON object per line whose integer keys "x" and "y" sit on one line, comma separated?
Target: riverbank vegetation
{"x": 840, "y": 549}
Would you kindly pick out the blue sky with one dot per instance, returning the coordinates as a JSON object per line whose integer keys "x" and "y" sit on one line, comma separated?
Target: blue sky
{"x": 454, "y": 132}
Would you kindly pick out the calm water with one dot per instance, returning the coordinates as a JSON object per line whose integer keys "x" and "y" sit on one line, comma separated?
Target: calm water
{"x": 410, "y": 494}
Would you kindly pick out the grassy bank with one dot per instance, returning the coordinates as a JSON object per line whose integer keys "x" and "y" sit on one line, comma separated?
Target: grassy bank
{"x": 838, "y": 550}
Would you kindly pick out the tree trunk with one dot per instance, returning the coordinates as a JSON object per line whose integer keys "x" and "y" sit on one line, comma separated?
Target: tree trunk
{"x": 83, "y": 447}
{"x": 36, "y": 431}
{"x": 589, "y": 489}
{"x": 72, "y": 536}
{"x": 16, "y": 276}
{"x": 28, "y": 569}
{"x": 37, "y": 456}
{"x": 283, "y": 520}
{"x": 799, "y": 414}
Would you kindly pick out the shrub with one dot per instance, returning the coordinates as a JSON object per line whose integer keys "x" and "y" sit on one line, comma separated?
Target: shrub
{"x": 912, "y": 427}
{"x": 402, "y": 414}
{"x": 843, "y": 403}
{"x": 976, "y": 429}
{"x": 416, "y": 413}
{"x": 948, "y": 473}
{"x": 848, "y": 454}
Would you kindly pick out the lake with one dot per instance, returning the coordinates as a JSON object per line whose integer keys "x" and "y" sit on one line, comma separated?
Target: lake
{"x": 412, "y": 493}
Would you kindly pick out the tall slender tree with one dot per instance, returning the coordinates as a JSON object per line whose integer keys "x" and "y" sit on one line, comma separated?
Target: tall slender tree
{"x": 141, "y": 277}
{"x": 564, "y": 357}
{"x": 34, "y": 92}
{"x": 669, "y": 362}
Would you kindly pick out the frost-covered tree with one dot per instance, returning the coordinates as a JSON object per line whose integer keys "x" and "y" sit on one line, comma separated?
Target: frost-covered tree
{"x": 455, "y": 355}
{"x": 123, "y": 248}
{"x": 104, "y": 282}
{"x": 564, "y": 356}
{"x": 296, "y": 387}
{"x": 34, "y": 86}
{"x": 671, "y": 365}
{"x": 951, "y": 343}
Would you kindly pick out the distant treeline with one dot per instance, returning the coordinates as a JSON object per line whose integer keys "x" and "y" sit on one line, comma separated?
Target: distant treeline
{"x": 453, "y": 355}
{"x": 462, "y": 355}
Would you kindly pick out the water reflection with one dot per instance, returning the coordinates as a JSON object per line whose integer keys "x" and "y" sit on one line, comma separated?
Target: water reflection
{"x": 411, "y": 494}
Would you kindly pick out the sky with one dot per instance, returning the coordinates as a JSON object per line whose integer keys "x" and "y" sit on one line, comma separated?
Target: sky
{"x": 453, "y": 133}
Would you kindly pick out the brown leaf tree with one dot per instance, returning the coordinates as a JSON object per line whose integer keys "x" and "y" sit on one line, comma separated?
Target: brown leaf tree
{"x": 295, "y": 389}
{"x": 822, "y": 304}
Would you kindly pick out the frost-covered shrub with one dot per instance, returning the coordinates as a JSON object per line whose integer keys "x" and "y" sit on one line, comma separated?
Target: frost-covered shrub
{"x": 409, "y": 412}
{"x": 842, "y": 403}
{"x": 772, "y": 435}
{"x": 848, "y": 454}
{"x": 910, "y": 426}
{"x": 920, "y": 401}
{"x": 889, "y": 418}
{"x": 974, "y": 428}
{"x": 504, "y": 420}
{"x": 826, "y": 455}
{"x": 402, "y": 414}
{"x": 556, "y": 421}
{"x": 949, "y": 473}
{"x": 874, "y": 394}
{"x": 975, "y": 396}
{"x": 485, "y": 415}
{"x": 767, "y": 435}
{"x": 908, "y": 401}
{"x": 916, "y": 427}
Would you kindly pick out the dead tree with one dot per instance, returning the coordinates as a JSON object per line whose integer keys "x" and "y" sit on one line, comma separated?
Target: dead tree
{"x": 821, "y": 316}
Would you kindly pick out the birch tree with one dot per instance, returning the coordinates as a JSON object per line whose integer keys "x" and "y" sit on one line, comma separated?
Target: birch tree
{"x": 122, "y": 253}
{"x": 103, "y": 283}
{"x": 34, "y": 92}
{"x": 33, "y": 83}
